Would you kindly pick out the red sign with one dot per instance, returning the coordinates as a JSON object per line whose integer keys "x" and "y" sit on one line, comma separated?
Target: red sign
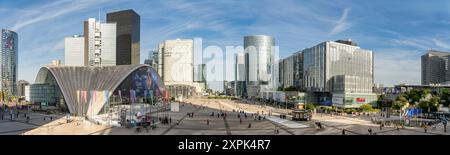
{"x": 359, "y": 100}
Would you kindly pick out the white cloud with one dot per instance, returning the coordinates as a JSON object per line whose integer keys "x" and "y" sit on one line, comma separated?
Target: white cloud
{"x": 341, "y": 24}
{"x": 51, "y": 11}
{"x": 421, "y": 44}
{"x": 441, "y": 44}
{"x": 59, "y": 46}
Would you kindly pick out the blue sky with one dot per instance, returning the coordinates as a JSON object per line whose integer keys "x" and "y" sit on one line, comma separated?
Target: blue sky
{"x": 398, "y": 32}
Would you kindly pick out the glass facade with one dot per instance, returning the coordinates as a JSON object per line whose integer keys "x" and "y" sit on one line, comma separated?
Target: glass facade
{"x": 9, "y": 61}
{"x": 259, "y": 63}
{"x": 128, "y": 36}
{"x": 329, "y": 59}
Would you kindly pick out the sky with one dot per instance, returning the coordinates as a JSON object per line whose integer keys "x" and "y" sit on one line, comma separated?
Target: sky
{"x": 398, "y": 32}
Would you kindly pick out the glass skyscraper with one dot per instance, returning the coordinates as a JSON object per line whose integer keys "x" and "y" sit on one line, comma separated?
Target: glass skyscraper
{"x": 339, "y": 73}
{"x": 128, "y": 36}
{"x": 9, "y": 61}
{"x": 435, "y": 67}
{"x": 259, "y": 64}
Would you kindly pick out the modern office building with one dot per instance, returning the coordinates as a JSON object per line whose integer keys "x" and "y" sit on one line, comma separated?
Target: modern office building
{"x": 74, "y": 54}
{"x": 339, "y": 73}
{"x": 152, "y": 59}
{"x": 260, "y": 65}
{"x": 435, "y": 67}
{"x": 100, "y": 43}
{"x": 176, "y": 68}
{"x": 127, "y": 36}
{"x": 177, "y": 61}
{"x": 239, "y": 74}
{"x": 56, "y": 62}
{"x": 21, "y": 87}
{"x": 9, "y": 62}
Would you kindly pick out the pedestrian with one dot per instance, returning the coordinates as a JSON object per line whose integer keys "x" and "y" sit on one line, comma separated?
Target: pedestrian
{"x": 170, "y": 120}
{"x": 249, "y": 125}
{"x": 240, "y": 121}
{"x": 425, "y": 128}
{"x": 343, "y": 131}
{"x": 217, "y": 115}
{"x": 370, "y": 131}
{"x": 207, "y": 122}
{"x": 381, "y": 126}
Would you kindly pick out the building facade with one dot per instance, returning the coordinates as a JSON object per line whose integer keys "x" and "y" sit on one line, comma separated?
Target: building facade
{"x": 177, "y": 61}
{"x": 74, "y": 54}
{"x": 337, "y": 71}
{"x": 9, "y": 62}
{"x": 291, "y": 71}
{"x": 240, "y": 87}
{"x": 260, "y": 64}
{"x": 435, "y": 67}
{"x": 128, "y": 35}
{"x": 21, "y": 84}
{"x": 100, "y": 43}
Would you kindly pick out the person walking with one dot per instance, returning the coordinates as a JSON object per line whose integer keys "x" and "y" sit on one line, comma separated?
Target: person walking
{"x": 370, "y": 131}
{"x": 425, "y": 128}
{"x": 207, "y": 122}
{"x": 249, "y": 125}
{"x": 343, "y": 131}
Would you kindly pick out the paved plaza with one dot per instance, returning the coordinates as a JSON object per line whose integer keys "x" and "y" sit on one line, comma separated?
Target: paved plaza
{"x": 235, "y": 123}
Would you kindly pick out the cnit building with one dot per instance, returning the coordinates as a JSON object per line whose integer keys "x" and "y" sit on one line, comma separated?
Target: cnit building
{"x": 333, "y": 73}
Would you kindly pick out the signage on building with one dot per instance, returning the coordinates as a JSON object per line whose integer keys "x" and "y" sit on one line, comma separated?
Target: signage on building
{"x": 360, "y": 100}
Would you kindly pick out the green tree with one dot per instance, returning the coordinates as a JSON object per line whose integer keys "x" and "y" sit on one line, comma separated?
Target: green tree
{"x": 290, "y": 88}
{"x": 445, "y": 97}
{"x": 366, "y": 107}
{"x": 429, "y": 106}
{"x": 399, "y": 103}
{"x": 309, "y": 106}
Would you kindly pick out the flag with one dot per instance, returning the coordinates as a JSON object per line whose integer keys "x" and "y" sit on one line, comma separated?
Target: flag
{"x": 78, "y": 96}
{"x": 133, "y": 96}
{"x": 106, "y": 95}
{"x": 85, "y": 96}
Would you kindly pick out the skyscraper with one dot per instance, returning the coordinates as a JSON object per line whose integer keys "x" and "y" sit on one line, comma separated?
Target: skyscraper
{"x": 435, "y": 67}
{"x": 100, "y": 43}
{"x": 128, "y": 36}
{"x": 21, "y": 87}
{"x": 74, "y": 54}
{"x": 339, "y": 73}
{"x": 239, "y": 85}
{"x": 177, "y": 61}
{"x": 9, "y": 61}
{"x": 259, "y": 64}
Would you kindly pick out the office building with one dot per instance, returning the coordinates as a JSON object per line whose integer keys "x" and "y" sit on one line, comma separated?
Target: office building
{"x": 260, "y": 69}
{"x": 177, "y": 61}
{"x": 56, "y": 62}
{"x": 9, "y": 62}
{"x": 435, "y": 67}
{"x": 339, "y": 73}
{"x": 127, "y": 36}
{"x": 152, "y": 59}
{"x": 21, "y": 87}
{"x": 239, "y": 74}
{"x": 74, "y": 54}
{"x": 100, "y": 43}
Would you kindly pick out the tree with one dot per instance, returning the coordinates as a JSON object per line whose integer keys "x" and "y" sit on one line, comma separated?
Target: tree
{"x": 399, "y": 103}
{"x": 290, "y": 88}
{"x": 366, "y": 107}
{"x": 429, "y": 106}
{"x": 445, "y": 97}
{"x": 309, "y": 106}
